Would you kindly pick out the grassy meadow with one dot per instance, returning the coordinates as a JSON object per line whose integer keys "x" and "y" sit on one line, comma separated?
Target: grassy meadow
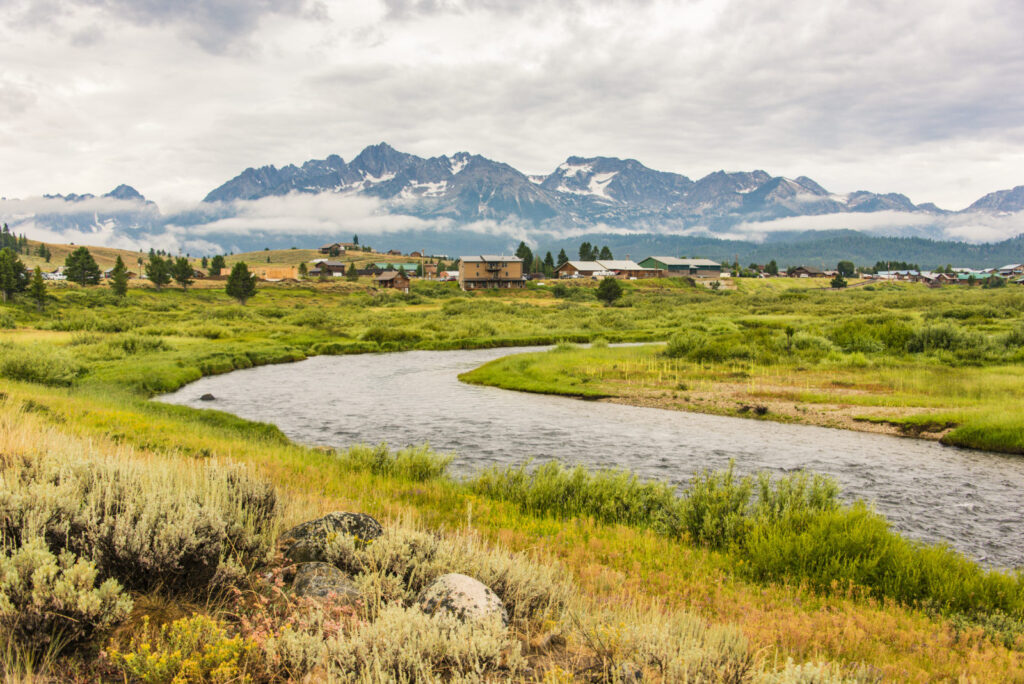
{"x": 730, "y": 580}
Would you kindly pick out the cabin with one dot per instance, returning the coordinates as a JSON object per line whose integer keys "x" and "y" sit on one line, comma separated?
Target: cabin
{"x": 394, "y": 252}
{"x": 674, "y": 267}
{"x": 417, "y": 254}
{"x": 806, "y": 272}
{"x": 331, "y": 269}
{"x": 1011, "y": 270}
{"x": 394, "y": 280}
{"x": 333, "y": 249}
{"x": 429, "y": 270}
{"x": 490, "y": 271}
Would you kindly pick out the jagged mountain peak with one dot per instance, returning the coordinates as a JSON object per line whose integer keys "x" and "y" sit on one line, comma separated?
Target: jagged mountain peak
{"x": 1011, "y": 200}
{"x": 125, "y": 192}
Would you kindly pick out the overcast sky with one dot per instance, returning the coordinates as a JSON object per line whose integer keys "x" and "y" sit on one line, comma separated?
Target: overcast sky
{"x": 176, "y": 97}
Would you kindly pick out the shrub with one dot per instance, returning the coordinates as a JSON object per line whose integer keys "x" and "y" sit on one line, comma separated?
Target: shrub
{"x": 933, "y": 337}
{"x": 49, "y": 601}
{"x": 144, "y": 523}
{"x": 45, "y": 365}
{"x": 677, "y": 647}
{"x": 714, "y": 508}
{"x": 137, "y": 344}
{"x": 397, "y": 566}
{"x": 407, "y": 645}
{"x": 417, "y": 464}
{"x": 385, "y": 335}
{"x": 193, "y": 649}
{"x": 608, "y": 495}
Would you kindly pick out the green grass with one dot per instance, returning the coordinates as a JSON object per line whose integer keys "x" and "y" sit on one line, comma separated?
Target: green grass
{"x": 711, "y": 550}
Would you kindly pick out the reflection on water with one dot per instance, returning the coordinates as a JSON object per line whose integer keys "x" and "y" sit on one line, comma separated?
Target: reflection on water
{"x": 972, "y": 500}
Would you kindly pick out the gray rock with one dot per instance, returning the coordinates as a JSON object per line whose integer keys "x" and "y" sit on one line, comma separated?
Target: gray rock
{"x": 320, "y": 580}
{"x": 308, "y": 542}
{"x": 464, "y": 597}
{"x": 207, "y": 397}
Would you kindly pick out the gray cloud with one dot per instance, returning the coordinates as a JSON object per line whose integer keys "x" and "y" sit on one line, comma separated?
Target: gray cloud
{"x": 869, "y": 95}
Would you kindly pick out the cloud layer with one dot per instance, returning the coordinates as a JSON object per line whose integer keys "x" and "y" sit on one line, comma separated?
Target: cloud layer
{"x": 174, "y": 98}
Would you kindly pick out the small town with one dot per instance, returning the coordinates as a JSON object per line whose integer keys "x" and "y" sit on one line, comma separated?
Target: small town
{"x": 396, "y": 270}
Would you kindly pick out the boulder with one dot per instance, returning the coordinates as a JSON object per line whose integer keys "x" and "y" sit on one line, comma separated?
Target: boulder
{"x": 320, "y": 580}
{"x": 308, "y": 542}
{"x": 464, "y": 597}
{"x": 207, "y": 397}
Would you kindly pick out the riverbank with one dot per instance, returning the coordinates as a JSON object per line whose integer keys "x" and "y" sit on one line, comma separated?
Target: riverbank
{"x": 77, "y": 379}
{"x": 919, "y": 396}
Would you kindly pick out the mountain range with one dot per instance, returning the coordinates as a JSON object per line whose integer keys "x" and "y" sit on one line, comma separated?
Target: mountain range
{"x": 468, "y": 199}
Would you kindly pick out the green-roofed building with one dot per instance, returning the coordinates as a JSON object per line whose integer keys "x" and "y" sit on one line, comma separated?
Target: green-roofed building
{"x": 694, "y": 268}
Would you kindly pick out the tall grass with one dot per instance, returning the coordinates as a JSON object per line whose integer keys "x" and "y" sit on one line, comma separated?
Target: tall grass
{"x": 790, "y": 529}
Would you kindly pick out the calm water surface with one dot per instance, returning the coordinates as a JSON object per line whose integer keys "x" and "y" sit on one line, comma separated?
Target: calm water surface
{"x": 972, "y": 500}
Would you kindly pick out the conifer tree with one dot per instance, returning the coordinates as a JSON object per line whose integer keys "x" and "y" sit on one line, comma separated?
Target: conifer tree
{"x": 353, "y": 272}
{"x": 80, "y": 267}
{"x": 606, "y": 254}
{"x": 158, "y": 271}
{"x": 119, "y": 278}
{"x": 217, "y": 265}
{"x": 562, "y": 258}
{"x": 8, "y": 279}
{"x": 181, "y": 271}
{"x": 37, "y": 290}
{"x": 241, "y": 283}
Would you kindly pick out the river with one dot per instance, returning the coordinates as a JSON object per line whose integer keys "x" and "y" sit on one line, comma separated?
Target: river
{"x": 968, "y": 499}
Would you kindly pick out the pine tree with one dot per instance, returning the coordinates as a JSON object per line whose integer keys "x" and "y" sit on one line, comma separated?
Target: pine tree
{"x": 355, "y": 239}
{"x": 303, "y": 270}
{"x": 606, "y": 254}
{"x": 562, "y": 258}
{"x": 8, "y": 279}
{"x": 526, "y": 254}
{"x": 205, "y": 262}
{"x": 37, "y": 290}
{"x": 80, "y": 267}
{"x": 585, "y": 251}
{"x": 609, "y": 290}
{"x": 181, "y": 271}
{"x": 217, "y": 265}
{"x": 241, "y": 283}
{"x": 119, "y": 278}
{"x": 158, "y": 271}
{"x": 353, "y": 272}
{"x": 549, "y": 261}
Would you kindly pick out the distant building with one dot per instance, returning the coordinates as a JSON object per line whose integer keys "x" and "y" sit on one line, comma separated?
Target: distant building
{"x": 333, "y": 269}
{"x": 490, "y": 271}
{"x": 605, "y": 269}
{"x": 269, "y": 272}
{"x": 393, "y": 280}
{"x": 676, "y": 267}
{"x": 806, "y": 272}
{"x": 333, "y": 249}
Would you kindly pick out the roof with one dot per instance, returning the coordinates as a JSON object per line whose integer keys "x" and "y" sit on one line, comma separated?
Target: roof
{"x": 488, "y": 258}
{"x": 675, "y": 261}
{"x": 1009, "y": 267}
{"x": 331, "y": 264}
{"x": 622, "y": 265}
{"x": 388, "y": 266}
{"x": 809, "y": 269}
{"x": 389, "y": 275}
{"x": 584, "y": 265}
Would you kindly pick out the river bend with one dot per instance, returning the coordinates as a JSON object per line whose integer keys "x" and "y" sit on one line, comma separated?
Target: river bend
{"x": 969, "y": 499}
